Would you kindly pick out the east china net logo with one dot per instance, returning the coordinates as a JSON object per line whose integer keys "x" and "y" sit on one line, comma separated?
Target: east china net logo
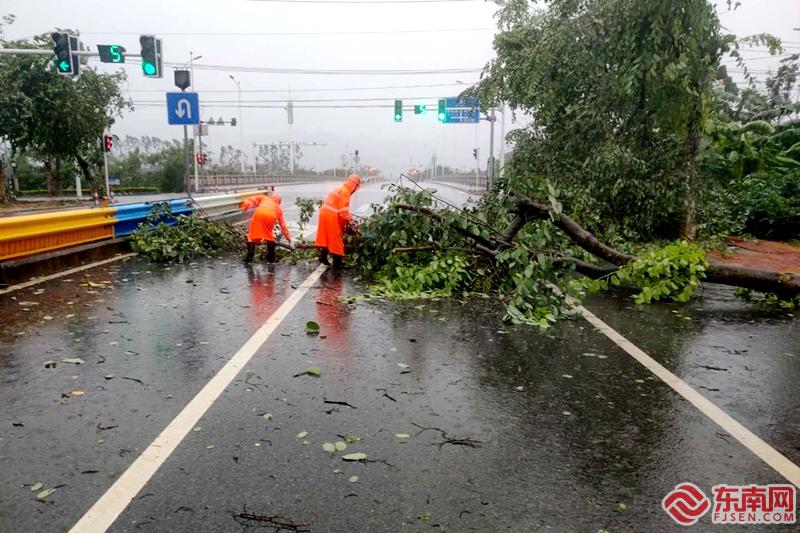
{"x": 733, "y": 504}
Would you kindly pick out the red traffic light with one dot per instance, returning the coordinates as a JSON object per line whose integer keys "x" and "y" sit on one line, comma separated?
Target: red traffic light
{"x": 108, "y": 143}
{"x": 201, "y": 158}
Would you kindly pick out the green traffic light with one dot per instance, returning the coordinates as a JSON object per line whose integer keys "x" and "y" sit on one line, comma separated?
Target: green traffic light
{"x": 63, "y": 65}
{"x": 149, "y": 68}
{"x": 398, "y": 117}
{"x": 441, "y": 117}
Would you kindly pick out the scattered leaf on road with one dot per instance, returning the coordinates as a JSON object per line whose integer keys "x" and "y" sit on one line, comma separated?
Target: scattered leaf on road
{"x": 267, "y": 416}
{"x": 402, "y": 365}
{"x": 568, "y": 376}
{"x": 353, "y": 479}
{"x": 314, "y": 371}
{"x": 44, "y": 494}
{"x": 77, "y": 393}
{"x": 312, "y": 327}
{"x": 340, "y": 446}
{"x": 520, "y": 387}
{"x": 36, "y": 487}
{"x": 302, "y": 435}
{"x": 329, "y": 447}
{"x": 351, "y": 439}
{"x": 566, "y": 413}
{"x": 354, "y": 457}
{"x": 73, "y": 360}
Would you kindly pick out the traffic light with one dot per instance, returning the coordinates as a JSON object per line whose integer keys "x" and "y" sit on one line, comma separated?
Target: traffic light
{"x": 475, "y": 153}
{"x": 151, "y": 56}
{"x": 442, "y": 114}
{"x": 419, "y": 109}
{"x": 202, "y": 158}
{"x": 398, "y": 111}
{"x": 108, "y": 143}
{"x": 67, "y": 62}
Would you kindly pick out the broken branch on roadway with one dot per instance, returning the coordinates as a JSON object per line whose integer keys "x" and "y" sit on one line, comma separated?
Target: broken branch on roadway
{"x": 276, "y": 522}
{"x": 784, "y": 284}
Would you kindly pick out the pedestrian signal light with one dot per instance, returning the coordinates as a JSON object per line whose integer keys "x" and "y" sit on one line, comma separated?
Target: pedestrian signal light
{"x": 151, "y": 56}
{"x": 398, "y": 110}
{"x": 419, "y": 109}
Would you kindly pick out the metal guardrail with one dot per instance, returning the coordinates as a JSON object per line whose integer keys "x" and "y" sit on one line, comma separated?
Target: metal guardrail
{"x": 212, "y": 182}
{"x": 129, "y": 216}
{"x": 31, "y": 234}
{"x": 465, "y": 180}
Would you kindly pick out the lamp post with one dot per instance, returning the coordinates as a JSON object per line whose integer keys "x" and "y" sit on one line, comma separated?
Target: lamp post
{"x": 241, "y": 131}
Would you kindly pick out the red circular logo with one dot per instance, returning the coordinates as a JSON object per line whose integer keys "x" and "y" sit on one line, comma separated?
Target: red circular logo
{"x": 686, "y": 504}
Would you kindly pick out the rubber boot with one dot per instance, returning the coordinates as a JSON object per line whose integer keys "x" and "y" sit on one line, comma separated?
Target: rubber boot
{"x": 271, "y": 258}
{"x": 251, "y": 252}
{"x": 323, "y": 256}
{"x": 338, "y": 262}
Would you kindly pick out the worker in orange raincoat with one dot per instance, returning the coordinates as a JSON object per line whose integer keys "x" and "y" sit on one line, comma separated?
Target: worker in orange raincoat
{"x": 334, "y": 219}
{"x": 262, "y": 225}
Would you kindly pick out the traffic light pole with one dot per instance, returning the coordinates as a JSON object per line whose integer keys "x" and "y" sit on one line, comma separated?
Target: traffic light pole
{"x": 105, "y": 170}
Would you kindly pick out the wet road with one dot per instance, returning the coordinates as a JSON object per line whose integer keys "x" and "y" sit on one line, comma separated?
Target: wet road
{"x": 509, "y": 429}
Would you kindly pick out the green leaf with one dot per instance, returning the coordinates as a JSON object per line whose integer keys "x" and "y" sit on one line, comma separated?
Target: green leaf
{"x": 44, "y": 494}
{"x": 314, "y": 371}
{"x": 354, "y": 457}
{"x": 312, "y": 327}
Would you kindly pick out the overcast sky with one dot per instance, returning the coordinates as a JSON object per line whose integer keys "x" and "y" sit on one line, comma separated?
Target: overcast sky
{"x": 232, "y": 33}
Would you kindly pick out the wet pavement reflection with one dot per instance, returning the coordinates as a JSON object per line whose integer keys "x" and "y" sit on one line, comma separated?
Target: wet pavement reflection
{"x": 508, "y": 428}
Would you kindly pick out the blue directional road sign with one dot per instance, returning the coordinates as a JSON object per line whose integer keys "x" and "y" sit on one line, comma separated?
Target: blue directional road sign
{"x": 462, "y": 110}
{"x": 183, "y": 108}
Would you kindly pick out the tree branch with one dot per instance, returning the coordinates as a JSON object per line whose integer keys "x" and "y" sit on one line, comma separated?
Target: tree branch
{"x": 531, "y": 209}
{"x": 484, "y": 244}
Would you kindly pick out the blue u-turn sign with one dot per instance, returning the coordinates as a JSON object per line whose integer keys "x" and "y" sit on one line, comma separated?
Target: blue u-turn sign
{"x": 183, "y": 108}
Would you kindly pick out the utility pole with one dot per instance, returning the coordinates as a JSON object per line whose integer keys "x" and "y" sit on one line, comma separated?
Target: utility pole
{"x": 199, "y": 128}
{"x": 490, "y": 165}
{"x": 477, "y": 166}
{"x": 502, "y": 137}
{"x": 241, "y": 130}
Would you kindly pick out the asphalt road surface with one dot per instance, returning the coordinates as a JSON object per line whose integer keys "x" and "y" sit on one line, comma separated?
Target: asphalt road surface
{"x": 156, "y": 398}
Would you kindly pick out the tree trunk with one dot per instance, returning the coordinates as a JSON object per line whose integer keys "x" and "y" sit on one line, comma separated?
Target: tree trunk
{"x": 59, "y": 185}
{"x": 688, "y": 229}
{"x": 3, "y": 195}
{"x": 49, "y": 168}
{"x": 86, "y": 169}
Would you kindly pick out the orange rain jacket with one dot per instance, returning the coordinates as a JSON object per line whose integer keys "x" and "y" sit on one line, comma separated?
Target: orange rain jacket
{"x": 268, "y": 211}
{"x": 334, "y": 215}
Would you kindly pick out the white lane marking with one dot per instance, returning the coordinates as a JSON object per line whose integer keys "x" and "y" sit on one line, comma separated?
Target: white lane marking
{"x": 57, "y": 275}
{"x": 761, "y": 449}
{"x": 111, "y": 504}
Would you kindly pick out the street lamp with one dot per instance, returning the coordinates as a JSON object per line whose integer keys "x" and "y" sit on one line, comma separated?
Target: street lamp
{"x": 241, "y": 131}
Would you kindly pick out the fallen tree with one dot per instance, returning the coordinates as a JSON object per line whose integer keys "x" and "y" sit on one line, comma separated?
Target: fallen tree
{"x": 527, "y": 251}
